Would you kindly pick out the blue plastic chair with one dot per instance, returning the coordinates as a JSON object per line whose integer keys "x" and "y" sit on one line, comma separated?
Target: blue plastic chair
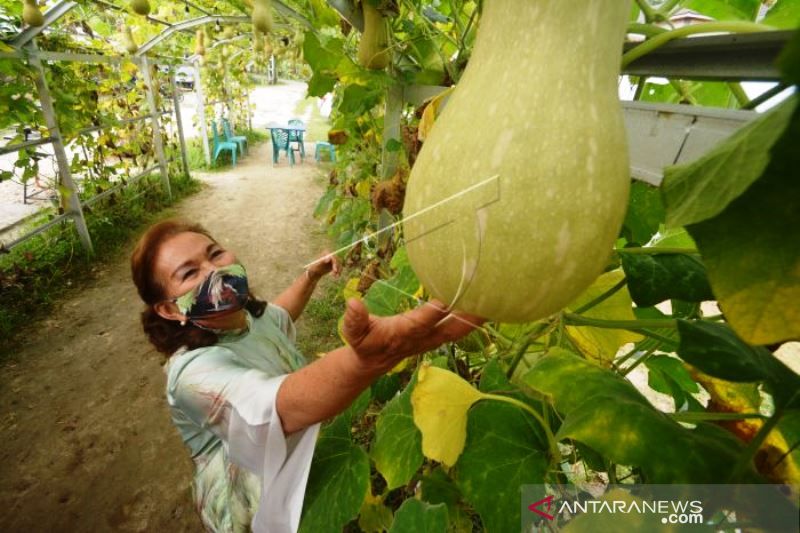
{"x": 296, "y": 136}
{"x": 280, "y": 141}
{"x": 325, "y": 146}
{"x": 220, "y": 145}
{"x": 241, "y": 140}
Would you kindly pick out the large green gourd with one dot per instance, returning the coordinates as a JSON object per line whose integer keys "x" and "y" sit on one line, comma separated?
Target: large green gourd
{"x": 536, "y": 129}
{"x": 262, "y": 15}
{"x": 373, "y": 48}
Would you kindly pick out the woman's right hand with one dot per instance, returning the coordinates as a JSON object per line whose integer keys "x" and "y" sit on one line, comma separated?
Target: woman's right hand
{"x": 382, "y": 342}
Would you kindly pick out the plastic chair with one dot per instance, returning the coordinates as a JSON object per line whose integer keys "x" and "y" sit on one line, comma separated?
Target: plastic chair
{"x": 325, "y": 146}
{"x": 220, "y": 145}
{"x": 296, "y": 136}
{"x": 280, "y": 141}
{"x": 241, "y": 140}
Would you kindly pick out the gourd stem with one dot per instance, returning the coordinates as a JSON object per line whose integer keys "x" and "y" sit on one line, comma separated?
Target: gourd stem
{"x": 738, "y": 93}
{"x": 650, "y": 30}
{"x": 667, "y": 7}
{"x": 535, "y": 334}
{"x": 551, "y": 440}
{"x": 580, "y": 320}
{"x": 647, "y": 9}
{"x": 603, "y": 297}
{"x": 706, "y": 27}
{"x": 655, "y": 250}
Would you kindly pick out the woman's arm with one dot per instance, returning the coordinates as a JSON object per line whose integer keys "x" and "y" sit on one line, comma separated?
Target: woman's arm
{"x": 329, "y": 385}
{"x": 295, "y": 298}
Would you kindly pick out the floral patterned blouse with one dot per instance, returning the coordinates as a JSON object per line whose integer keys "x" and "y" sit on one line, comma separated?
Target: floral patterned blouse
{"x": 249, "y": 475}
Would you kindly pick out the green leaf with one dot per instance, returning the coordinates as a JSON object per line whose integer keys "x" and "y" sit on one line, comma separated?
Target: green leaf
{"x": 397, "y": 448}
{"x": 605, "y": 412}
{"x": 725, "y": 9}
{"x": 374, "y": 516}
{"x": 645, "y": 213}
{"x": 785, "y": 14}
{"x": 388, "y": 297}
{"x": 385, "y": 387}
{"x": 672, "y": 367}
{"x": 502, "y": 453}
{"x": 655, "y": 278}
{"x": 750, "y": 248}
{"x": 703, "y": 188}
{"x": 716, "y": 350}
{"x": 416, "y": 516}
{"x": 338, "y": 480}
{"x": 789, "y": 59}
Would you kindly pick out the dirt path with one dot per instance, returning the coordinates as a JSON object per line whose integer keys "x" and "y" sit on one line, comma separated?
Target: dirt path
{"x": 87, "y": 440}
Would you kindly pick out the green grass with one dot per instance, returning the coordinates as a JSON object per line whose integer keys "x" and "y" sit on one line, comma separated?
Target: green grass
{"x": 317, "y": 332}
{"x": 46, "y": 267}
{"x": 317, "y": 126}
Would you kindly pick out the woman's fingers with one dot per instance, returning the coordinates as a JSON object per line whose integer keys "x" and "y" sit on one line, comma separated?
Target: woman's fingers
{"x": 356, "y": 321}
{"x": 425, "y": 316}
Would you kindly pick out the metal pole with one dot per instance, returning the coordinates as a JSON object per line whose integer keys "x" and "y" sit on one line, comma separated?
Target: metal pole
{"x": 177, "y": 105}
{"x": 73, "y": 201}
{"x": 156, "y": 123}
{"x": 391, "y": 128}
{"x": 201, "y": 111}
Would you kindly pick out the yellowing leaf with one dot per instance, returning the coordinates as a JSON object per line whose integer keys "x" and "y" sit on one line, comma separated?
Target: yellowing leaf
{"x": 602, "y": 344}
{"x": 440, "y": 401}
{"x": 351, "y": 289}
{"x": 429, "y": 114}
{"x": 363, "y": 189}
{"x": 399, "y": 367}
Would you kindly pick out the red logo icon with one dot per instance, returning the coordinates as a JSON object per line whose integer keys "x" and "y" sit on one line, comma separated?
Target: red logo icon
{"x": 549, "y": 501}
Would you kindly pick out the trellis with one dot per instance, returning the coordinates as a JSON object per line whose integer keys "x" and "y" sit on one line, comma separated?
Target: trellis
{"x": 25, "y": 49}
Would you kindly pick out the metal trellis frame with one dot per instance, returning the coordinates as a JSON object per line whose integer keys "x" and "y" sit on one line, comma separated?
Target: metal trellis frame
{"x": 155, "y": 123}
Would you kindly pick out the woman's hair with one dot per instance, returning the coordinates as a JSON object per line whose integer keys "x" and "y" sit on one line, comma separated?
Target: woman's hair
{"x": 168, "y": 335}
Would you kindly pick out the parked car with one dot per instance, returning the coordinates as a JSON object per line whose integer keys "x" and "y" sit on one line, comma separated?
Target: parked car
{"x": 184, "y": 78}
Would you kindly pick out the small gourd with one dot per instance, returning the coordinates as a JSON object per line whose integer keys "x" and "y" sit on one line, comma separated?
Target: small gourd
{"x": 517, "y": 196}
{"x": 127, "y": 40}
{"x": 31, "y": 14}
{"x": 140, "y": 7}
{"x": 262, "y": 15}
{"x": 199, "y": 45}
{"x": 373, "y": 48}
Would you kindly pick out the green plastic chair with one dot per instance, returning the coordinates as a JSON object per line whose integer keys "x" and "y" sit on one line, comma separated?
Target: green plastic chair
{"x": 280, "y": 141}
{"x": 241, "y": 140}
{"x": 220, "y": 145}
{"x": 297, "y": 137}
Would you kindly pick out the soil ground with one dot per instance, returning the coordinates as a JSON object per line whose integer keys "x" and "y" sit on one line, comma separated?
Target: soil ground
{"x": 87, "y": 440}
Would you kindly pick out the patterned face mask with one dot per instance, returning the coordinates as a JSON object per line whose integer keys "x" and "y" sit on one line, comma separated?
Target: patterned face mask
{"x": 223, "y": 291}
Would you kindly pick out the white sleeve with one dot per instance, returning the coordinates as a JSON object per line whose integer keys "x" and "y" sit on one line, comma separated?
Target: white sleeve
{"x": 238, "y": 405}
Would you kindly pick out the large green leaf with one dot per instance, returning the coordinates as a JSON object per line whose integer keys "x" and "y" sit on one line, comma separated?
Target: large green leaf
{"x": 701, "y": 189}
{"x": 397, "y": 448}
{"x": 339, "y": 477}
{"x": 323, "y": 55}
{"x": 716, "y": 350}
{"x": 388, "y": 297}
{"x": 750, "y": 248}
{"x": 785, "y": 14}
{"x": 725, "y": 9}
{"x": 655, "y": 278}
{"x": 504, "y": 450}
{"x": 337, "y": 483}
{"x": 416, "y": 516}
{"x": 605, "y": 412}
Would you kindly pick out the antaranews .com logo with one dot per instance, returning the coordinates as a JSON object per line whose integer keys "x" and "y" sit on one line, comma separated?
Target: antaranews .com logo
{"x": 651, "y": 508}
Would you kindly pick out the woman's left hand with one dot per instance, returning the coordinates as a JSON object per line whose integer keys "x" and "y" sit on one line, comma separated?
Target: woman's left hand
{"x": 327, "y": 262}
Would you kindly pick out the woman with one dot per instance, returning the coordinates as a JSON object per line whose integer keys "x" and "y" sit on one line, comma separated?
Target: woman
{"x": 242, "y": 397}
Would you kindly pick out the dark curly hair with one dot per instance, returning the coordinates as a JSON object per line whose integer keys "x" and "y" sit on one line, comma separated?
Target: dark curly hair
{"x": 168, "y": 335}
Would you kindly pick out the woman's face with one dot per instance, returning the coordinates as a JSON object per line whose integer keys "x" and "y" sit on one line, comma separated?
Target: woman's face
{"x": 183, "y": 262}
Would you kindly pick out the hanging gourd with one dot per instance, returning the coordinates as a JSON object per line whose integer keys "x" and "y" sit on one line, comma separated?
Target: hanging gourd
{"x": 200, "y": 43}
{"x": 140, "y": 7}
{"x": 262, "y": 15}
{"x": 127, "y": 40}
{"x": 525, "y": 173}
{"x": 31, "y": 14}
{"x": 373, "y": 48}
